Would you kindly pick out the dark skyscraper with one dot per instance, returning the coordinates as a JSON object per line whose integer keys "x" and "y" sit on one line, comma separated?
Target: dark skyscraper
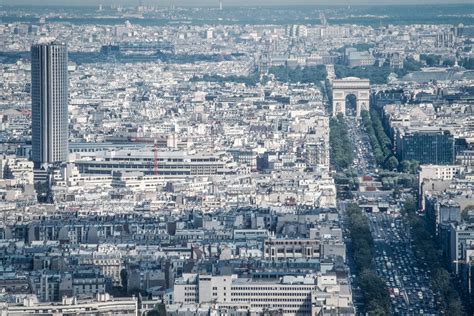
{"x": 49, "y": 103}
{"x": 426, "y": 147}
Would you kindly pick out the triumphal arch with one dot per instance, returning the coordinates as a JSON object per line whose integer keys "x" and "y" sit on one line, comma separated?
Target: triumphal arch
{"x": 342, "y": 88}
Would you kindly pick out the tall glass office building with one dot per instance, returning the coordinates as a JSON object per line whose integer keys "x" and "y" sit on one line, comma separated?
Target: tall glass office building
{"x": 426, "y": 147}
{"x": 49, "y": 103}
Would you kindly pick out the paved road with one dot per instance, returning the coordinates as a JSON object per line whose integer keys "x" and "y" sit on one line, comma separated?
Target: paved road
{"x": 396, "y": 264}
{"x": 364, "y": 161}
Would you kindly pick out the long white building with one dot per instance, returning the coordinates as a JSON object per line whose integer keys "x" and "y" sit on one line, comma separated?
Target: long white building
{"x": 103, "y": 305}
{"x": 169, "y": 164}
{"x": 290, "y": 295}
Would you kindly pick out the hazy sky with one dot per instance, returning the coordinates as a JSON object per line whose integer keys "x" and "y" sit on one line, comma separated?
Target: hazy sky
{"x": 230, "y": 2}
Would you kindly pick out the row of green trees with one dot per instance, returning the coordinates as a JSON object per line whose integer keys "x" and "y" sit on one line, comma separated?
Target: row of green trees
{"x": 410, "y": 64}
{"x": 409, "y": 166}
{"x": 376, "y": 75}
{"x": 340, "y": 144}
{"x": 311, "y": 74}
{"x": 379, "y": 75}
{"x": 381, "y": 145}
{"x": 348, "y": 179}
{"x": 374, "y": 291}
{"x": 43, "y": 191}
{"x": 427, "y": 251}
{"x": 346, "y": 182}
{"x": 431, "y": 60}
{"x": 383, "y": 150}
{"x": 394, "y": 180}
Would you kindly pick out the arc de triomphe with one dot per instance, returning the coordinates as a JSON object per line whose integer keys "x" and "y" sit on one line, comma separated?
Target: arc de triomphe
{"x": 341, "y": 88}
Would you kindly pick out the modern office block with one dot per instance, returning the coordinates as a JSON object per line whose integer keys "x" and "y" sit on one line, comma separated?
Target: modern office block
{"x": 426, "y": 147}
{"x": 49, "y": 103}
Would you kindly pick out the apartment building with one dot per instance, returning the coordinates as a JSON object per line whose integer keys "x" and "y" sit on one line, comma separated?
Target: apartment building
{"x": 283, "y": 248}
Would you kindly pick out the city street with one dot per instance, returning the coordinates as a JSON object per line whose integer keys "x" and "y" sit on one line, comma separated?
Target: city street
{"x": 395, "y": 262}
{"x": 364, "y": 161}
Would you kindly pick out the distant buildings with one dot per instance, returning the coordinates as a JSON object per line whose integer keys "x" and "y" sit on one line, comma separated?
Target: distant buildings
{"x": 49, "y": 103}
{"x": 356, "y": 59}
{"x": 198, "y": 183}
{"x": 430, "y": 133}
{"x": 447, "y": 198}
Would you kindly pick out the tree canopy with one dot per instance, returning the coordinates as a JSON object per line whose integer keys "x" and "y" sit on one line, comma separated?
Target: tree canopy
{"x": 374, "y": 291}
{"x": 341, "y": 146}
{"x": 310, "y": 74}
{"x": 381, "y": 144}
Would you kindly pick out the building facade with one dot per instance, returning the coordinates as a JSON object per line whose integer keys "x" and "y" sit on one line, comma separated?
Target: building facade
{"x": 283, "y": 248}
{"x": 290, "y": 295}
{"x": 103, "y": 305}
{"x": 49, "y": 103}
{"x": 426, "y": 147}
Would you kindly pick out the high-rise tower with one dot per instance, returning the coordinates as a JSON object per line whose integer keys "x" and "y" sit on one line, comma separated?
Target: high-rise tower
{"x": 49, "y": 103}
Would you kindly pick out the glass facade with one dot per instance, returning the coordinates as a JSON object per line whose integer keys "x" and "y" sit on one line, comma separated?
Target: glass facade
{"x": 427, "y": 148}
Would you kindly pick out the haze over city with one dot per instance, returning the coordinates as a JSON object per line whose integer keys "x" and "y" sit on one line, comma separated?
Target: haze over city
{"x": 231, "y": 2}
{"x": 243, "y": 158}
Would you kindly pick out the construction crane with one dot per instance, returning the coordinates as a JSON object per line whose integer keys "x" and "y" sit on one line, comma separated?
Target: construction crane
{"x": 155, "y": 160}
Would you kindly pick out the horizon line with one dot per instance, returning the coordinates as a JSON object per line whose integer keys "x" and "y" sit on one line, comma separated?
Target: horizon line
{"x": 378, "y": 4}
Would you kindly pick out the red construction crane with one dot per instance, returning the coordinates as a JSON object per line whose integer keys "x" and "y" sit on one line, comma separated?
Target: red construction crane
{"x": 155, "y": 161}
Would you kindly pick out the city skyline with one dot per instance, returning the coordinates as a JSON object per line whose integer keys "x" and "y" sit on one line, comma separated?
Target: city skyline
{"x": 250, "y": 161}
{"x": 212, "y": 3}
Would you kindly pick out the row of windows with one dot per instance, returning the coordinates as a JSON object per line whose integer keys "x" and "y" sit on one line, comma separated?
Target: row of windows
{"x": 304, "y": 243}
{"x": 288, "y": 250}
{"x": 139, "y": 166}
{"x": 298, "y": 306}
{"x": 292, "y": 289}
{"x": 269, "y": 300}
{"x": 253, "y": 294}
{"x": 204, "y": 160}
{"x": 190, "y": 288}
{"x": 143, "y": 159}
